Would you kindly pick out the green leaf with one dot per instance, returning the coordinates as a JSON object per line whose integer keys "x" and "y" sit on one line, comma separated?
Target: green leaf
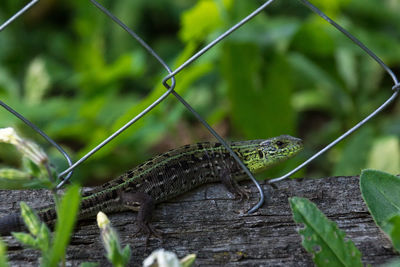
{"x": 331, "y": 95}
{"x": 273, "y": 31}
{"x": 9, "y": 88}
{"x": 67, "y": 213}
{"x": 32, "y": 167}
{"x": 89, "y": 264}
{"x": 14, "y": 174}
{"x": 385, "y": 154}
{"x": 194, "y": 26}
{"x": 3, "y": 254}
{"x": 393, "y": 229}
{"x": 322, "y": 237}
{"x": 114, "y": 255}
{"x": 385, "y": 45}
{"x": 43, "y": 238}
{"x": 347, "y": 66}
{"x": 380, "y": 192}
{"x": 26, "y": 239}
{"x": 258, "y": 90}
{"x": 24, "y": 184}
{"x": 118, "y": 257}
{"x": 30, "y": 218}
{"x": 359, "y": 145}
{"x": 126, "y": 254}
{"x": 314, "y": 37}
{"x": 37, "y": 81}
{"x": 188, "y": 260}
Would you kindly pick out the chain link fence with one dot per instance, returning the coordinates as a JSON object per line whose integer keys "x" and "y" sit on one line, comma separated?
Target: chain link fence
{"x": 170, "y": 84}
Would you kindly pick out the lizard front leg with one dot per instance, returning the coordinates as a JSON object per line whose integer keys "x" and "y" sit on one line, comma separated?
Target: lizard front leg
{"x": 232, "y": 185}
{"x": 144, "y": 205}
{"x": 227, "y": 179}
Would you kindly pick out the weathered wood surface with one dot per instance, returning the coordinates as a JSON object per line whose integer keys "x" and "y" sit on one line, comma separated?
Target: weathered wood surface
{"x": 210, "y": 223}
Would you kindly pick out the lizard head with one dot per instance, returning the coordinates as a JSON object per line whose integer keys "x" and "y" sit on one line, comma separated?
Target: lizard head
{"x": 271, "y": 151}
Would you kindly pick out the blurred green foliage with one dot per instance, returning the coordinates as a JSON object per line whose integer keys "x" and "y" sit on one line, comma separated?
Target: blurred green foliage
{"x": 79, "y": 77}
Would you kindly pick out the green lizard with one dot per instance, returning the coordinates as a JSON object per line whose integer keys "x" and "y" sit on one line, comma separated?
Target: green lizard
{"x": 171, "y": 174}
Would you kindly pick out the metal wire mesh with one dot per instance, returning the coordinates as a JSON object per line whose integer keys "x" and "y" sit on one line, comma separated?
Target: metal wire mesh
{"x": 66, "y": 174}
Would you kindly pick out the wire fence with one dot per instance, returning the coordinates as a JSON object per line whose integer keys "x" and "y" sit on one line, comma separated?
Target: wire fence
{"x": 170, "y": 84}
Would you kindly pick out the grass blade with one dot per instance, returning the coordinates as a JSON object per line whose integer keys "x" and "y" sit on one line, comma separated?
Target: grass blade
{"x": 67, "y": 213}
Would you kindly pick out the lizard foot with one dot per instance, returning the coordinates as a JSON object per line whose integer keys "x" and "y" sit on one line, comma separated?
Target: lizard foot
{"x": 232, "y": 185}
{"x": 149, "y": 231}
{"x": 241, "y": 193}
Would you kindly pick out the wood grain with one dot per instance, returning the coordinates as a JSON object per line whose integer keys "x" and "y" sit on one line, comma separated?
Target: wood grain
{"x": 211, "y": 224}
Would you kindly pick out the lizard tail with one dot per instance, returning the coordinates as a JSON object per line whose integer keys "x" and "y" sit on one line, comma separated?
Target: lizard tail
{"x": 11, "y": 223}
{"x": 14, "y": 223}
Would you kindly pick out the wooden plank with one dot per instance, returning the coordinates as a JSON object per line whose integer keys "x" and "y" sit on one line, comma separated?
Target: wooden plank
{"x": 211, "y": 224}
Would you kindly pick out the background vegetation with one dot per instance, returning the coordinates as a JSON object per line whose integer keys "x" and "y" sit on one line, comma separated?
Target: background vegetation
{"x": 79, "y": 77}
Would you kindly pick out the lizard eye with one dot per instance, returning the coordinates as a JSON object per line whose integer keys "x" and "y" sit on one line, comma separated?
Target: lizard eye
{"x": 280, "y": 144}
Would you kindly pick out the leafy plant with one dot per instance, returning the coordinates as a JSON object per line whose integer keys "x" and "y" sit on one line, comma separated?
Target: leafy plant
{"x": 326, "y": 242}
{"x": 67, "y": 215}
{"x": 322, "y": 237}
{"x": 39, "y": 234}
{"x": 89, "y": 264}
{"x": 380, "y": 193}
{"x": 36, "y": 171}
{"x": 393, "y": 229}
{"x": 115, "y": 254}
{"x": 286, "y": 71}
{"x": 3, "y": 254}
{"x": 120, "y": 257}
{"x": 52, "y": 249}
{"x": 92, "y": 77}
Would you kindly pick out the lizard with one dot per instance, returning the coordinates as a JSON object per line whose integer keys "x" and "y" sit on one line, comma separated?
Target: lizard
{"x": 171, "y": 174}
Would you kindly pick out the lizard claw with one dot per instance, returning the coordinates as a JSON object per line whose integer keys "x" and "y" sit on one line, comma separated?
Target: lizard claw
{"x": 242, "y": 193}
{"x": 149, "y": 231}
{"x": 233, "y": 186}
